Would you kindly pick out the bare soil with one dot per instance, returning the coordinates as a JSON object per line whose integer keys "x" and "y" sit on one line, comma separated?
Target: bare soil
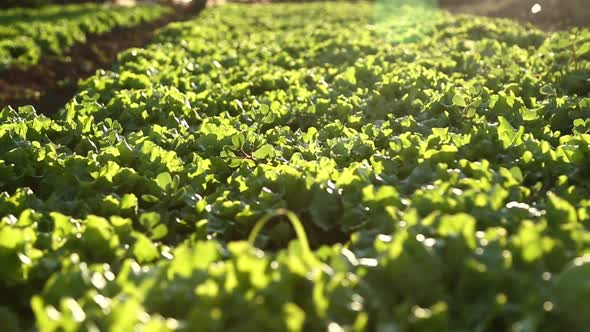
{"x": 553, "y": 14}
{"x": 50, "y": 84}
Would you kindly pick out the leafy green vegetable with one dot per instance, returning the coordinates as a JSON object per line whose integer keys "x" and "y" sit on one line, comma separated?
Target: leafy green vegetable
{"x": 392, "y": 170}
{"x": 26, "y": 34}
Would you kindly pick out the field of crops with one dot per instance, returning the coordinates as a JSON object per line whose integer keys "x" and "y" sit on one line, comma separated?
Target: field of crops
{"x": 317, "y": 167}
{"x": 26, "y": 34}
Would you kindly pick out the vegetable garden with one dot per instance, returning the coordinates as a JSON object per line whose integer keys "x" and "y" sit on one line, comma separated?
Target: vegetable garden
{"x": 304, "y": 167}
{"x": 28, "y": 33}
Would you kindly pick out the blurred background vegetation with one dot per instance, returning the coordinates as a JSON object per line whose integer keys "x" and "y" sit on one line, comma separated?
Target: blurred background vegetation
{"x": 36, "y": 3}
{"x": 548, "y": 14}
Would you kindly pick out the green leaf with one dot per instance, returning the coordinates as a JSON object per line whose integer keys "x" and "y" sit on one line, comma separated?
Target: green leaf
{"x": 507, "y": 134}
{"x": 164, "y": 181}
{"x": 238, "y": 140}
{"x": 269, "y": 118}
{"x": 128, "y": 201}
{"x": 560, "y": 211}
{"x": 349, "y": 75}
{"x": 150, "y": 198}
{"x": 547, "y": 90}
{"x": 583, "y": 50}
{"x": 159, "y": 232}
{"x": 459, "y": 224}
{"x": 152, "y": 223}
{"x": 325, "y": 208}
{"x": 149, "y": 219}
{"x": 528, "y": 114}
{"x": 517, "y": 173}
{"x": 144, "y": 250}
{"x": 459, "y": 100}
{"x": 294, "y": 316}
{"x": 530, "y": 240}
{"x": 571, "y": 291}
{"x": 264, "y": 109}
{"x": 264, "y": 152}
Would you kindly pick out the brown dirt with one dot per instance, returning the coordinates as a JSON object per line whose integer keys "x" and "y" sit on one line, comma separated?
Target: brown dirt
{"x": 554, "y": 14}
{"x": 50, "y": 84}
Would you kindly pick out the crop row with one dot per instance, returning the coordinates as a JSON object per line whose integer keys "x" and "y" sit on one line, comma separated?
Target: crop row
{"x": 27, "y": 34}
{"x": 433, "y": 169}
{"x": 38, "y": 3}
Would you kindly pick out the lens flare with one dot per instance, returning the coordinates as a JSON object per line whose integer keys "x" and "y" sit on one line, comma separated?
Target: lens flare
{"x": 403, "y": 21}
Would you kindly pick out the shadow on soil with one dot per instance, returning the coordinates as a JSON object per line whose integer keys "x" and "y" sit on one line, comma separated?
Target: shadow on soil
{"x": 546, "y": 14}
{"x": 50, "y": 84}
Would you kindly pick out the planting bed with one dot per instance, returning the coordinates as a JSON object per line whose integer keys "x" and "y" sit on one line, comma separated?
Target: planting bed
{"x": 325, "y": 166}
{"x": 44, "y": 51}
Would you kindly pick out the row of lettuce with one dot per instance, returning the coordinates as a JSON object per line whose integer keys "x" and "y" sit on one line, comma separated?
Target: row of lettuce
{"x": 436, "y": 165}
{"x": 39, "y": 3}
{"x": 27, "y": 34}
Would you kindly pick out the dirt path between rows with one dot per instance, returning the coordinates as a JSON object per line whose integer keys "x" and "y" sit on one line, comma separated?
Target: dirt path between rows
{"x": 50, "y": 84}
{"x": 547, "y": 14}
